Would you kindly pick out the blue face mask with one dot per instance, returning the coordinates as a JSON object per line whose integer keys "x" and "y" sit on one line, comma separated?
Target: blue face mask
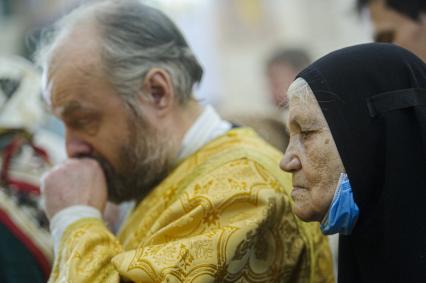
{"x": 343, "y": 212}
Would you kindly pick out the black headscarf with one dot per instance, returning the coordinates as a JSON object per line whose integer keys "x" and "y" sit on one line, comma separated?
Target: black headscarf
{"x": 373, "y": 97}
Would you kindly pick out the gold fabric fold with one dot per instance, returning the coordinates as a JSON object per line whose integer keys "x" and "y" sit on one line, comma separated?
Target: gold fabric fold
{"x": 223, "y": 215}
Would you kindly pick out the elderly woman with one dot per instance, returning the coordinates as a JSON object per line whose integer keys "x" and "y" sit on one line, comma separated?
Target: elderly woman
{"x": 357, "y": 121}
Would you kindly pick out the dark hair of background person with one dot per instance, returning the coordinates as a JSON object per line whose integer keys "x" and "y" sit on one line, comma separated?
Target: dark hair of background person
{"x": 409, "y": 8}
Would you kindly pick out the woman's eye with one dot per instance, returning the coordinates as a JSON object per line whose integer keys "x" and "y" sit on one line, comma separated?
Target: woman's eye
{"x": 306, "y": 134}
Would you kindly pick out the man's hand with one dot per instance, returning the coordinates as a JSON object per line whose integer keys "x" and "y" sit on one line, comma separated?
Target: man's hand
{"x": 74, "y": 182}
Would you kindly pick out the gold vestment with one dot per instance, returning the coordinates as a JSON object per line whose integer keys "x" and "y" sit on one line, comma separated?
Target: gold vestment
{"x": 223, "y": 215}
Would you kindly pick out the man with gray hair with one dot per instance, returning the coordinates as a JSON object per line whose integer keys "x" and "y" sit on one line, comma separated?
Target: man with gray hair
{"x": 211, "y": 202}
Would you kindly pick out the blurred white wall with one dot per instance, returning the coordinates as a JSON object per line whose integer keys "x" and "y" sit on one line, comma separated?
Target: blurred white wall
{"x": 232, "y": 38}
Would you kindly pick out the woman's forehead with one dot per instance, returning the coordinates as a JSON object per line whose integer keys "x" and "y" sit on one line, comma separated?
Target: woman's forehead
{"x": 300, "y": 90}
{"x": 300, "y": 95}
{"x": 303, "y": 106}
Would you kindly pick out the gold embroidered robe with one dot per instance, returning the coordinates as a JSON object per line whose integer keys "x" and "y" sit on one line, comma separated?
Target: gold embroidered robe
{"x": 223, "y": 215}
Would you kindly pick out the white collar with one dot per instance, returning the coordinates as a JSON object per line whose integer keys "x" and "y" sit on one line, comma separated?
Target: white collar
{"x": 208, "y": 126}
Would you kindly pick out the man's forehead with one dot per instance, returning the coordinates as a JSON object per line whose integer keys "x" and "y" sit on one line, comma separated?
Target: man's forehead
{"x": 77, "y": 49}
{"x": 63, "y": 85}
{"x": 69, "y": 74}
{"x": 70, "y": 90}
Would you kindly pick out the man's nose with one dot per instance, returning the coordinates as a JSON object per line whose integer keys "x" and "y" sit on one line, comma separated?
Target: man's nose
{"x": 77, "y": 147}
{"x": 290, "y": 162}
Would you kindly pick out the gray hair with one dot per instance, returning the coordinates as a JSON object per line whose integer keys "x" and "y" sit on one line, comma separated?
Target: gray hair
{"x": 134, "y": 39}
{"x": 301, "y": 89}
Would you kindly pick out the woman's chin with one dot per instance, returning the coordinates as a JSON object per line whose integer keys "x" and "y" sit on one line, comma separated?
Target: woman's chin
{"x": 306, "y": 214}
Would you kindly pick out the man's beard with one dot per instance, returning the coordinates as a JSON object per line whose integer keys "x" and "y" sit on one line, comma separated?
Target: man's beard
{"x": 143, "y": 163}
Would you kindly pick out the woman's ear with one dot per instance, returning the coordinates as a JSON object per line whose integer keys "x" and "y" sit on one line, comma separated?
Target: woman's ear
{"x": 158, "y": 89}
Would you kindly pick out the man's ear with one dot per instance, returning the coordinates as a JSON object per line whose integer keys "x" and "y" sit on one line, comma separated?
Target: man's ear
{"x": 158, "y": 89}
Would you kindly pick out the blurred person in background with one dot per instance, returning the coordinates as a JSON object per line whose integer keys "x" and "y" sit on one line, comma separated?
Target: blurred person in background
{"x": 25, "y": 246}
{"x": 357, "y": 154}
{"x": 281, "y": 69}
{"x": 212, "y": 206}
{"x": 402, "y": 22}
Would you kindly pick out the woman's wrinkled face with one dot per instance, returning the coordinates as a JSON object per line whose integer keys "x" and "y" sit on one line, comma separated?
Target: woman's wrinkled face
{"x": 311, "y": 156}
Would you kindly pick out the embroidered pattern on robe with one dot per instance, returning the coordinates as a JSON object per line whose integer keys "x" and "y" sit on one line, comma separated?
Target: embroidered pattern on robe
{"x": 223, "y": 215}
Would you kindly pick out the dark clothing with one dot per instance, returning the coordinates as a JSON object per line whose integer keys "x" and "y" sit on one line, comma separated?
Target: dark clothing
{"x": 25, "y": 246}
{"x": 373, "y": 97}
{"x": 17, "y": 263}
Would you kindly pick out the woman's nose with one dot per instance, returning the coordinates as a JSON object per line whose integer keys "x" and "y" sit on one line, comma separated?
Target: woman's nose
{"x": 290, "y": 162}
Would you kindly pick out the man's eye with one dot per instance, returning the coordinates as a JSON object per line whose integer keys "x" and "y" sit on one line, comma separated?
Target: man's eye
{"x": 82, "y": 122}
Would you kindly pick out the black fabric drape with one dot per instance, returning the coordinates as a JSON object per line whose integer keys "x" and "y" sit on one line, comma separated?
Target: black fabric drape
{"x": 373, "y": 97}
